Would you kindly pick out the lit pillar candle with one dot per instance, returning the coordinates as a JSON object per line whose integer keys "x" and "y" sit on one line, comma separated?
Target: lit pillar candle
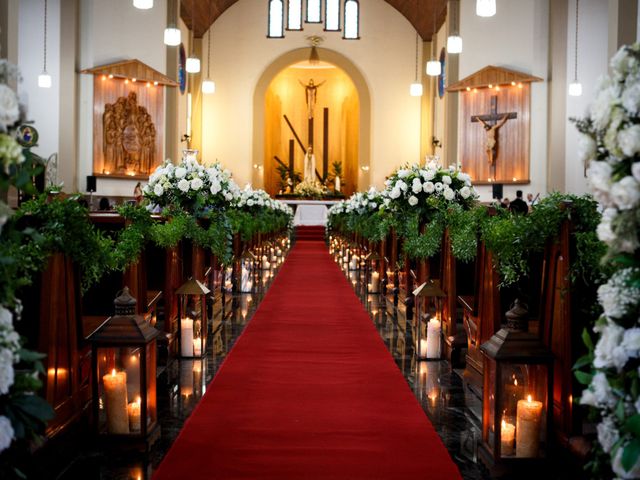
{"x": 375, "y": 281}
{"x": 354, "y": 263}
{"x": 133, "y": 409}
{"x": 199, "y": 343}
{"x": 265, "y": 263}
{"x": 115, "y": 399}
{"x": 186, "y": 337}
{"x": 529, "y": 413}
{"x": 433, "y": 338}
{"x": 507, "y": 434}
{"x": 422, "y": 353}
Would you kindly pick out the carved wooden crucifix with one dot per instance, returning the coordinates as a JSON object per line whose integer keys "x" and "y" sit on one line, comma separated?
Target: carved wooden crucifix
{"x": 491, "y": 123}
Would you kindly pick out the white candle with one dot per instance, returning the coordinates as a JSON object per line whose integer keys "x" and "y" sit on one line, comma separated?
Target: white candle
{"x": 186, "y": 337}
{"x": 133, "y": 409}
{"x": 197, "y": 346}
{"x": 354, "y": 263}
{"x": 433, "y": 338}
{"x": 115, "y": 399}
{"x": 507, "y": 435}
{"x": 245, "y": 281}
{"x": 422, "y": 352}
{"x": 265, "y": 263}
{"x": 375, "y": 282}
{"x": 529, "y": 413}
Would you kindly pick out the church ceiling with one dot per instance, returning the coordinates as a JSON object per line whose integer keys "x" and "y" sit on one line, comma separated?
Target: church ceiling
{"x": 202, "y": 13}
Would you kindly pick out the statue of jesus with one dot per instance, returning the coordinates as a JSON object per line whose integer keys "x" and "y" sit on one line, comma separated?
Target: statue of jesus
{"x": 309, "y": 165}
{"x": 492, "y": 142}
{"x": 310, "y": 91}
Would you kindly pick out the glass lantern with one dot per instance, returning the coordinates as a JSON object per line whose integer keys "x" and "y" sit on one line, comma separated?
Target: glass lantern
{"x": 428, "y": 328}
{"x": 373, "y": 273}
{"x": 192, "y": 318}
{"x": 123, "y": 352}
{"x": 516, "y": 395}
{"x": 247, "y": 262}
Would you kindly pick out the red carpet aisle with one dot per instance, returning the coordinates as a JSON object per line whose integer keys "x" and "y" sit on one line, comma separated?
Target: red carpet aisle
{"x": 308, "y": 392}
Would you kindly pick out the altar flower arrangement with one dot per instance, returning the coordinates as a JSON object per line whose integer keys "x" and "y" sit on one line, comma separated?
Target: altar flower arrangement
{"x": 428, "y": 188}
{"x": 191, "y": 186}
{"x": 610, "y": 145}
{"x": 308, "y": 189}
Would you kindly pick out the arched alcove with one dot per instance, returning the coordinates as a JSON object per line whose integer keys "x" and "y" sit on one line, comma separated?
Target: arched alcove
{"x": 259, "y": 108}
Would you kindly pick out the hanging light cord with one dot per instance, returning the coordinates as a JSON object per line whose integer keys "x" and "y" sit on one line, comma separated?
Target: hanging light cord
{"x": 45, "y": 35}
{"x": 575, "y": 71}
{"x": 209, "y": 44}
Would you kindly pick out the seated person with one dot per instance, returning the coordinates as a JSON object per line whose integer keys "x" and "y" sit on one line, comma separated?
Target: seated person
{"x": 104, "y": 204}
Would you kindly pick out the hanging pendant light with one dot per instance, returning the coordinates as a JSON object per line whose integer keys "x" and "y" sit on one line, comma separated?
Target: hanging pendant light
{"x": 208, "y": 85}
{"x": 193, "y": 62}
{"x": 44, "y": 79}
{"x": 485, "y": 8}
{"x": 172, "y": 34}
{"x": 143, "y": 4}
{"x": 415, "y": 90}
{"x": 434, "y": 67}
{"x": 575, "y": 87}
{"x": 454, "y": 41}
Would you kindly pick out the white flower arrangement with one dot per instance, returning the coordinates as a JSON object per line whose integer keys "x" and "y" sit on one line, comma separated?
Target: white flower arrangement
{"x": 9, "y": 348}
{"x": 190, "y": 185}
{"x": 428, "y": 187}
{"x": 610, "y": 144}
{"x": 309, "y": 189}
{"x": 260, "y": 200}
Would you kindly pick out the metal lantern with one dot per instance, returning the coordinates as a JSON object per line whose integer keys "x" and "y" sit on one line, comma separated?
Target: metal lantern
{"x": 192, "y": 318}
{"x": 517, "y": 393}
{"x": 427, "y": 324}
{"x": 123, "y": 352}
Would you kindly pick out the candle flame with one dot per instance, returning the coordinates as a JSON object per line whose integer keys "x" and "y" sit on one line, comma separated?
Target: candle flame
{"x": 529, "y": 398}
{"x": 113, "y": 372}
{"x": 515, "y": 382}
{"x": 504, "y": 424}
{"x": 138, "y": 400}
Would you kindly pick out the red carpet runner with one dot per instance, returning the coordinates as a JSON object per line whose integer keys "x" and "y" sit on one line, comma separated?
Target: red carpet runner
{"x": 308, "y": 392}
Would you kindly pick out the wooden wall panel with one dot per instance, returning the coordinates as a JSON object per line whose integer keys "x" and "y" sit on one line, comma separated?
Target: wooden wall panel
{"x": 512, "y": 159}
{"x": 107, "y": 91}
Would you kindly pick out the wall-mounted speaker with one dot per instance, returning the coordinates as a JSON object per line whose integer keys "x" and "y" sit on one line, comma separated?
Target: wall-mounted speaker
{"x": 91, "y": 183}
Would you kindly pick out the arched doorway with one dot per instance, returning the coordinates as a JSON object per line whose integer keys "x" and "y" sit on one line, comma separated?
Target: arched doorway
{"x": 279, "y": 89}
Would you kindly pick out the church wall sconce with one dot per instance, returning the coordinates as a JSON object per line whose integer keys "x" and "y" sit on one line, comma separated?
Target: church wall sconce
{"x": 123, "y": 365}
{"x": 516, "y": 396}
{"x": 192, "y": 318}
{"x": 428, "y": 328}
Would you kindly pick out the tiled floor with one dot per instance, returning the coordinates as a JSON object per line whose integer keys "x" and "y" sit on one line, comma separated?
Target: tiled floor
{"x": 437, "y": 387}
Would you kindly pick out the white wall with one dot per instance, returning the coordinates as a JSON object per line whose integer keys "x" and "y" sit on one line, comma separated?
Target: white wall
{"x": 43, "y": 103}
{"x": 592, "y": 64}
{"x": 517, "y": 38}
{"x": 112, "y": 31}
{"x": 385, "y": 55}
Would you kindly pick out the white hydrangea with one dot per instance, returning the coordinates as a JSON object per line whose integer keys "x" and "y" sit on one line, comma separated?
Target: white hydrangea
{"x": 629, "y": 140}
{"x": 631, "y": 99}
{"x": 608, "y": 352}
{"x": 6, "y": 318}
{"x": 586, "y": 148}
{"x": 617, "y": 296}
{"x": 626, "y": 193}
{"x": 601, "y": 108}
{"x": 7, "y": 434}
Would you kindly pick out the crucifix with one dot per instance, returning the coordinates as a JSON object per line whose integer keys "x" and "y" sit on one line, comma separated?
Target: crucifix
{"x": 492, "y": 123}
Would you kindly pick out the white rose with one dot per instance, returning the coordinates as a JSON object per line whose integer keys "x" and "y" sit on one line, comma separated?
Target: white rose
{"x": 417, "y": 186}
{"x": 428, "y": 187}
{"x": 158, "y": 190}
{"x": 605, "y": 355}
{"x": 183, "y": 185}
{"x": 608, "y": 434}
{"x": 626, "y": 193}
{"x": 180, "y": 172}
{"x": 446, "y": 179}
{"x": 586, "y": 148}
{"x": 629, "y": 140}
{"x": 395, "y": 193}
{"x": 464, "y": 177}
{"x": 6, "y": 370}
{"x": 429, "y": 174}
{"x": 413, "y": 200}
{"x": 401, "y": 185}
{"x": 448, "y": 194}
{"x": 6, "y": 317}
{"x": 6, "y": 433}
{"x": 9, "y": 107}
{"x": 215, "y": 187}
{"x": 599, "y": 175}
{"x": 631, "y": 99}
{"x": 402, "y": 173}
{"x": 465, "y": 192}
{"x": 250, "y": 202}
{"x": 196, "y": 184}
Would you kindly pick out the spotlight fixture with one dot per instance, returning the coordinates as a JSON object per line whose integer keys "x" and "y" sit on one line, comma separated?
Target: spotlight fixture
{"x": 485, "y": 8}
{"x": 172, "y": 34}
{"x": 193, "y": 62}
{"x": 434, "y": 67}
{"x": 143, "y": 4}
{"x": 454, "y": 41}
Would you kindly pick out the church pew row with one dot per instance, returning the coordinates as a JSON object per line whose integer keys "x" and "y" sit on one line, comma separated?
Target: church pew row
{"x": 474, "y": 306}
{"x": 57, "y": 319}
